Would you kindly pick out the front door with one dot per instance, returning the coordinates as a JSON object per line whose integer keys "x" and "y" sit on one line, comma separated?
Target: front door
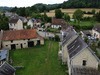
{"x": 38, "y": 42}
{"x": 13, "y": 47}
{"x": 21, "y": 45}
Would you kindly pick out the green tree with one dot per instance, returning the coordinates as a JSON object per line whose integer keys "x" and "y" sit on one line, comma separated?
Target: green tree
{"x": 57, "y": 38}
{"x": 78, "y": 14}
{"x": 58, "y": 13}
{"x": 66, "y": 17}
{"x": 93, "y": 11}
{"x": 97, "y": 16}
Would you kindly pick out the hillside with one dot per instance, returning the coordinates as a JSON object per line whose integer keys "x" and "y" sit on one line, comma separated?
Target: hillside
{"x": 3, "y": 9}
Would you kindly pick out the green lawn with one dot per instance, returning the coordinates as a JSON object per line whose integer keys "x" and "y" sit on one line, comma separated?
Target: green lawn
{"x": 52, "y": 30}
{"x": 38, "y": 60}
{"x": 86, "y": 23}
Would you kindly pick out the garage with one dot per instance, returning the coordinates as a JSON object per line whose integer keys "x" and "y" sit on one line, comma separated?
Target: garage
{"x": 13, "y": 47}
{"x": 30, "y": 44}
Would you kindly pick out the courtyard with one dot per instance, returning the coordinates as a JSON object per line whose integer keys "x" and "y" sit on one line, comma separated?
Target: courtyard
{"x": 39, "y": 60}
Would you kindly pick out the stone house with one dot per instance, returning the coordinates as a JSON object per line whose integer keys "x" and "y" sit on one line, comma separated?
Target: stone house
{"x": 56, "y": 23}
{"x": 31, "y": 22}
{"x": 76, "y": 53}
{"x": 7, "y": 69}
{"x": 96, "y": 31}
{"x": 18, "y": 39}
{"x": 15, "y": 24}
{"x": 67, "y": 37}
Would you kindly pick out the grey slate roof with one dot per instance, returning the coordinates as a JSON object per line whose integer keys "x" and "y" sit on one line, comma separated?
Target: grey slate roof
{"x": 84, "y": 71}
{"x": 76, "y": 46}
{"x": 3, "y": 55}
{"x": 33, "y": 20}
{"x": 13, "y": 20}
{"x": 6, "y": 69}
{"x": 97, "y": 28}
{"x": 68, "y": 35}
{"x": 86, "y": 32}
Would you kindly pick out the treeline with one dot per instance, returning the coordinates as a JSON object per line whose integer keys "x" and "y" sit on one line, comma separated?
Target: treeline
{"x": 81, "y": 4}
{"x": 4, "y": 22}
{"x": 4, "y": 9}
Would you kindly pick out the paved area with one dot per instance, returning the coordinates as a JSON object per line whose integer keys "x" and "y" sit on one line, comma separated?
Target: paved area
{"x": 47, "y": 34}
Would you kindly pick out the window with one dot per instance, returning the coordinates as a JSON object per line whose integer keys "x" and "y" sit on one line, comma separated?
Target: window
{"x": 84, "y": 62}
{"x": 11, "y": 41}
{"x": 28, "y": 39}
{"x": 24, "y": 43}
{"x": 11, "y": 24}
{"x": 6, "y": 45}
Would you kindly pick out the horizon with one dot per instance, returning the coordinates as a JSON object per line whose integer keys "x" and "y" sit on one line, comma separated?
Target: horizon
{"x": 24, "y": 3}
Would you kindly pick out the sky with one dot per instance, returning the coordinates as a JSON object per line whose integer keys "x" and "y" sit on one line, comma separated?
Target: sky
{"x": 25, "y": 3}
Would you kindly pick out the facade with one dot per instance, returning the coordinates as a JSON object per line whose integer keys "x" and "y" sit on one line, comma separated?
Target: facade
{"x": 76, "y": 53}
{"x": 56, "y": 23}
{"x": 18, "y": 39}
{"x": 96, "y": 31}
{"x": 15, "y": 24}
{"x": 31, "y": 22}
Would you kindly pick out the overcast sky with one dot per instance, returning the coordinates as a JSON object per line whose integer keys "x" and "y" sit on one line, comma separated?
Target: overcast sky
{"x": 25, "y": 3}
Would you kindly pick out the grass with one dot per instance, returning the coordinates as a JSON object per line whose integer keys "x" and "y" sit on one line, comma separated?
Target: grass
{"x": 86, "y": 23}
{"x": 38, "y": 60}
{"x": 52, "y": 30}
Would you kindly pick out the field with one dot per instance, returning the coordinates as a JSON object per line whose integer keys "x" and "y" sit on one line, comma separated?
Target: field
{"x": 71, "y": 11}
{"x": 41, "y": 60}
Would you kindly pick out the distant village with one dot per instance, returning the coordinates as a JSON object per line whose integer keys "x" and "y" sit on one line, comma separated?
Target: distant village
{"x": 76, "y": 49}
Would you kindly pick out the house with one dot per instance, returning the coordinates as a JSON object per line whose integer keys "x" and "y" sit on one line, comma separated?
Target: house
{"x": 85, "y": 33}
{"x": 18, "y": 39}
{"x": 47, "y": 25}
{"x": 67, "y": 37}
{"x": 80, "y": 54}
{"x": 15, "y": 24}
{"x": 4, "y": 56}
{"x": 32, "y": 22}
{"x": 7, "y": 69}
{"x": 76, "y": 53}
{"x": 8, "y": 14}
{"x": 56, "y": 23}
{"x": 96, "y": 31}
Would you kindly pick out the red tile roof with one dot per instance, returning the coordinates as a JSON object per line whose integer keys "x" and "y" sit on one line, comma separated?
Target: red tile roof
{"x": 20, "y": 34}
{"x": 58, "y": 22}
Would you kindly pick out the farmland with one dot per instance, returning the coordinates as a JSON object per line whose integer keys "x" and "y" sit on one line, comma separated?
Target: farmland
{"x": 71, "y": 11}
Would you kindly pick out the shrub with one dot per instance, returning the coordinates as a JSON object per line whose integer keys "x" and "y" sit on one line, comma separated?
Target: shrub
{"x": 57, "y": 38}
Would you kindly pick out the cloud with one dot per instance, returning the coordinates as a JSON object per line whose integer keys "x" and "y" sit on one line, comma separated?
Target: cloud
{"x": 25, "y": 3}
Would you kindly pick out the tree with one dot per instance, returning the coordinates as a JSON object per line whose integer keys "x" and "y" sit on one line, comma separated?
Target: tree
{"x": 58, "y": 13}
{"x": 97, "y": 16}
{"x": 4, "y": 22}
{"x": 57, "y": 38}
{"x": 78, "y": 14}
{"x": 93, "y": 11}
{"x": 66, "y": 17}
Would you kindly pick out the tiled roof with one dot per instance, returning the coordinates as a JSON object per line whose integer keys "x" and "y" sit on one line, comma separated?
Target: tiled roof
{"x": 3, "y": 55}
{"x": 13, "y": 20}
{"x": 76, "y": 46}
{"x": 58, "y": 22}
{"x": 6, "y": 69}
{"x": 84, "y": 71}
{"x": 97, "y": 28}
{"x": 20, "y": 34}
